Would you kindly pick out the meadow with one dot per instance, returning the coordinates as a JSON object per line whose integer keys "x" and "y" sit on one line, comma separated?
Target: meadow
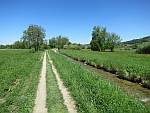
{"x": 19, "y": 75}
{"x": 126, "y": 65}
{"x": 92, "y": 93}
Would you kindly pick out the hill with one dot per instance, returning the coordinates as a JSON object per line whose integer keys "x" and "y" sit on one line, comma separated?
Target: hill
{"x": 138, "y": 41}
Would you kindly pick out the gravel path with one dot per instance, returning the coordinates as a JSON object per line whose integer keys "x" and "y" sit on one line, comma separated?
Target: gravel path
{"x": 40, "y": 102}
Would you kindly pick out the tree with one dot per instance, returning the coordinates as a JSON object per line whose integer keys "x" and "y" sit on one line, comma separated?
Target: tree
{"x": 94, "y": 45}
{"x": 144, "y": 49}
{"x": 33, "y": 37}
{"x": 18, "y": 45}
{"x": 101, "y": 39}
{"x": 26, "y": 40}
{"x": 2, "y": 47}
{"x": 111, "y": 41}
{"x": 58, "y": 42}
{"x": 61, "y": 41}
{"x": 44, "y": 45}
{"x": 52, "y": 42}
{"x": 98, "y": 38}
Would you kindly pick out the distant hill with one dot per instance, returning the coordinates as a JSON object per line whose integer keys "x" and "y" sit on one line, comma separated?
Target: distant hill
{"x": 138, "y": 41}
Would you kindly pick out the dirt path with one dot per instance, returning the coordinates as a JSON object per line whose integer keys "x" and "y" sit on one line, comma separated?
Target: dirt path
{"x": 40, "y": 102}
{"x": 68, "y": 101}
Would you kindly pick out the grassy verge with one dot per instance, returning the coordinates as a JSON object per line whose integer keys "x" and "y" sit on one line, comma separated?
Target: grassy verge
{"x": 19, "y": 77}
{"x": 126, "y": 65}
{"x": 92, "y": 93}
{"x": 54, "y": 97}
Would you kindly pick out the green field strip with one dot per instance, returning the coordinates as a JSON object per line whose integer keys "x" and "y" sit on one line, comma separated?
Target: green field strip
{"x": 21, "y": 71}
{"x": 126, "y": 65}
{"x": 92, "y": 93}
{"x": 55, "y": 102}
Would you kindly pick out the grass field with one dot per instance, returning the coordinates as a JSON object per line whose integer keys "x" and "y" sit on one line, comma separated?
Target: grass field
{"x": 19, "y": 75}
{"x": 20, "y": 70}
{"x": 126, "y": 65}
{"x": 92, "y": 93}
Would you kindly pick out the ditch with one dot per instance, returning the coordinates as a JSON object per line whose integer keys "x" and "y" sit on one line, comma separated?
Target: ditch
{"x": 129, "y": 87}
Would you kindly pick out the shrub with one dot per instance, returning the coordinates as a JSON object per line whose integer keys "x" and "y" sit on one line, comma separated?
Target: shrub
{"x": 144, "y": 50}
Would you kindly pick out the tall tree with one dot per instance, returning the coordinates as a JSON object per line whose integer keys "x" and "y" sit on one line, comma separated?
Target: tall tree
{"x": 112, "y": 40}
{"x": 101, "y": 39}
{"x": 18, "y": 45}
{"x": 58, "y": 42}
{"x": 61, "y": 41}
{"x": 33, "y": 36}
{"x": 52, "y": 42}
{"x": 98, "y": 38}
{"x": 26, "y": 40}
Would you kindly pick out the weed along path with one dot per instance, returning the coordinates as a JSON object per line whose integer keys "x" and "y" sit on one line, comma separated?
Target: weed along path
{"x": 68, "y": 101}
{"x": 40, "y": 102}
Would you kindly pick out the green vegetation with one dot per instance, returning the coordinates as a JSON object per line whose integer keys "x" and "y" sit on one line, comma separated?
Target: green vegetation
{"x": 74, "y": 46}
{"x": 92, "y": 93}
{"x": 58, "y": 42}
{"x": 33, "y": 37}
{"x": 102, "y": 40}
{"x": 19, "y": 77}
{"x": 126, "y": 65}
{"x": 144, "y": 50}
{"x": 20, "y": 70}
{"x": 54, "y": 97}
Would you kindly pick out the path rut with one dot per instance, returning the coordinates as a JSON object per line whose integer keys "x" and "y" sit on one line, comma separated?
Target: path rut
{"x": 68, "y": 101}
{"x": 40, "y": 102}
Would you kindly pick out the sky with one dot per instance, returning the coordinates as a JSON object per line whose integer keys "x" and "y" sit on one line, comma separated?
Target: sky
{"x": 75, "y": 19}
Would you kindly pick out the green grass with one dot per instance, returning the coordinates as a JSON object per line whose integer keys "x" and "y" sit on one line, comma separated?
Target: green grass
{"x": 92, "y": 93}
{"x": 19, "y": 78}
{"x": 54, "y": 97}
{"x": 127, "y": 65}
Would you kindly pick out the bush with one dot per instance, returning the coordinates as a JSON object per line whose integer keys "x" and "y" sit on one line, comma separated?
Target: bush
{"x": 144, "y": 50}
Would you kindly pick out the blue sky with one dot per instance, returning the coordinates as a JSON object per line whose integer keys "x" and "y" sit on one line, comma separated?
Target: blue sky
{"x": 74, "y": 18}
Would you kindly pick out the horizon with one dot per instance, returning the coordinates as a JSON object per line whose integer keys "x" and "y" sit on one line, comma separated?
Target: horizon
{"x": 74, "y": 19}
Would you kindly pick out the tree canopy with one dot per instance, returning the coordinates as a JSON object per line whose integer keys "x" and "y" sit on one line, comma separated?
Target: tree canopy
{"x": 58, "y": 42}
{"x": 101, "y": 39}
{"x": 33, "y": 37}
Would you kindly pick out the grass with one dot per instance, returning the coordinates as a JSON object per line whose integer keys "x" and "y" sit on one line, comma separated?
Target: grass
{"x": 92, "y": 93}
{"x": 126, "y": 65}
{"x": 19, "y": 78}
{"x": 54, "y": 97}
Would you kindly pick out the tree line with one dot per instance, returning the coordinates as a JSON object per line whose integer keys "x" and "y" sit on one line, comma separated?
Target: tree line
{"x": 34, "y": 38}
{"x": 58, "y": 42}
